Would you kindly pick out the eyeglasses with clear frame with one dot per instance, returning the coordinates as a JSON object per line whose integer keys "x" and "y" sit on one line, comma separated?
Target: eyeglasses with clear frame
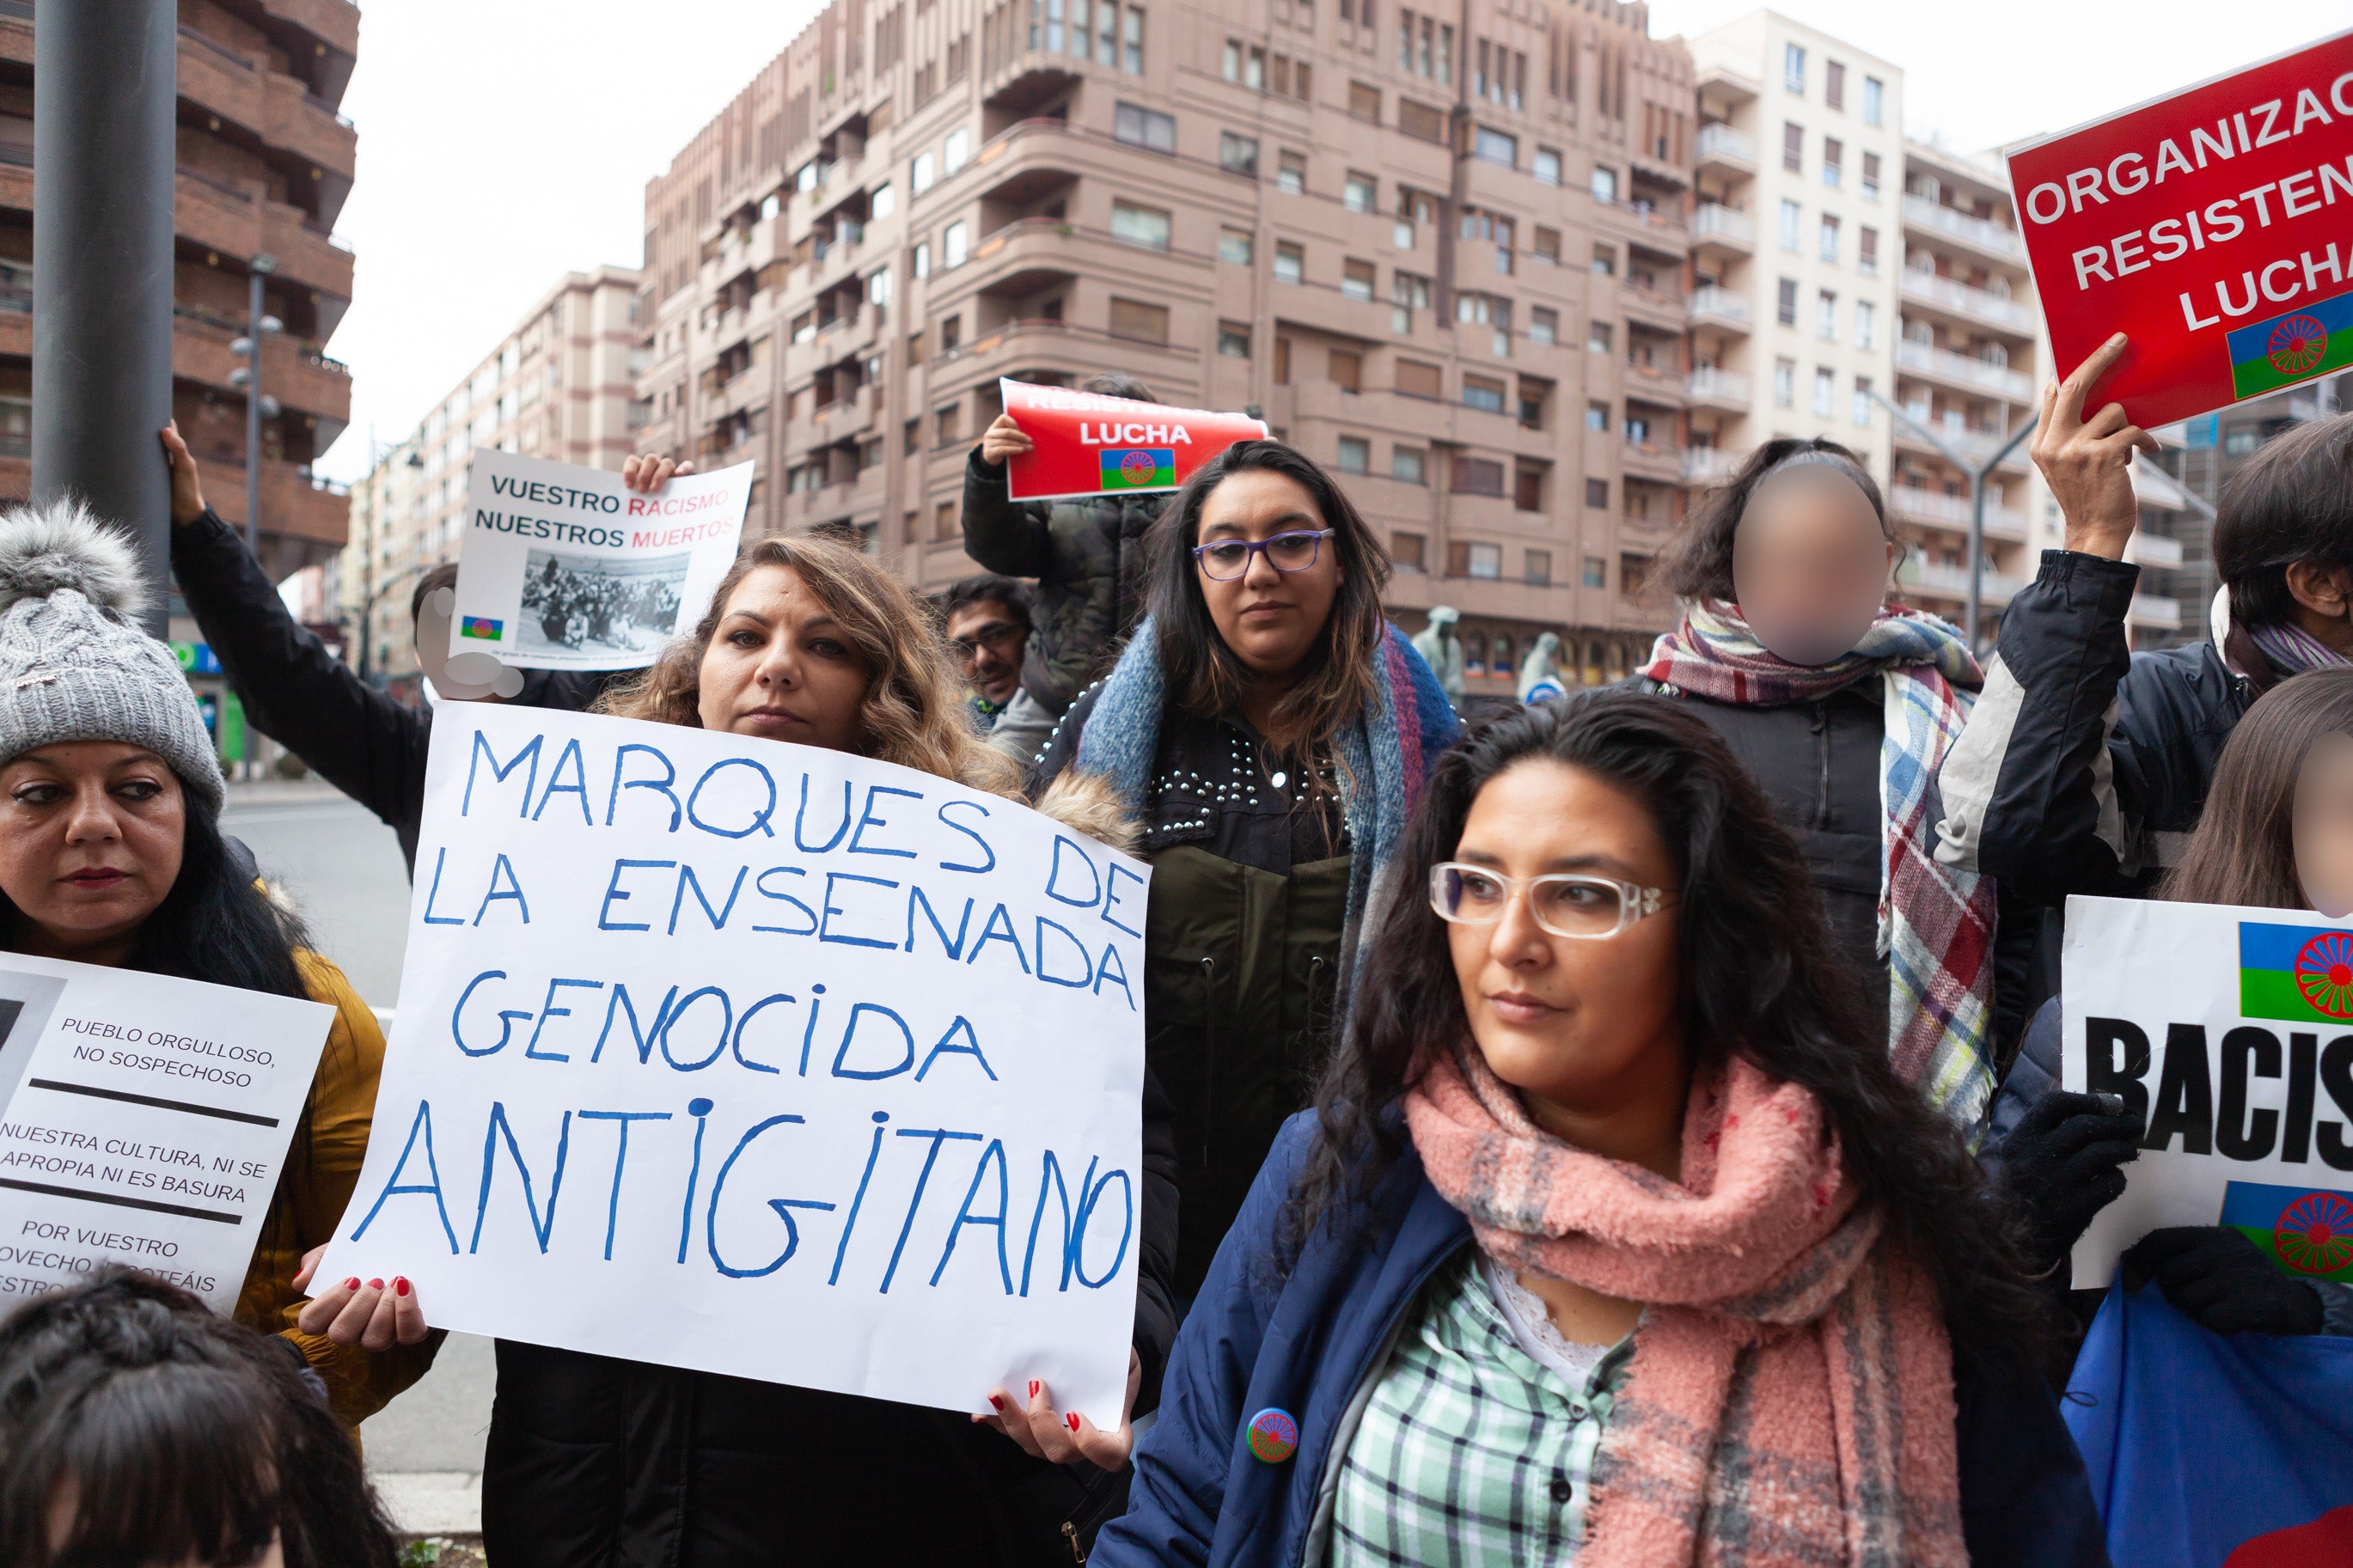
{"x": 1296, "y": 550}
{"x": 997, "y": 636}
{"x": 1566, "y": 903}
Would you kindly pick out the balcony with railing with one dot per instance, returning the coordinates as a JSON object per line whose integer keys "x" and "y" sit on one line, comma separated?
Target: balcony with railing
{"x": 1979, "y": 234}
{"x": 1712, "y": 386}
{"x": 1713, "y": 305}
{"x": 2147, "y": 549}
{"x": 1722, "y": 147}
{"x": 1935, "y": 508}
{"x": 1953, "y": 582}
{"x": 1709, "y": 465}
{"x": 1724, "y": 227}
{"x": 1965, "y": 372}
{"x": 1980, "y": 307}
{"x": 1974, "y": 447}
{"x": 2155, "y": 610}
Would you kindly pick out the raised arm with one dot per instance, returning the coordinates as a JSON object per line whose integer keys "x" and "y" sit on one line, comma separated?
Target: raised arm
{"x": 1002, "y": 534}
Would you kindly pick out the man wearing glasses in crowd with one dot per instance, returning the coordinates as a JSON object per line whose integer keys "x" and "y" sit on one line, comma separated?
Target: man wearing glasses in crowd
{"x": 988, "y": 627}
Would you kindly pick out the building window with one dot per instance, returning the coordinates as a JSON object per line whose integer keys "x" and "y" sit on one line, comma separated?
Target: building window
{"x": 1290, "y": 263}
{"x": 1605, "y": 261}
{"x": 1527, "y": 488}
{"x": 920, "y": 173}
{"x": 1234, "y": 246}
{"x": 1478, "y": 477}
{"x": 1825, "y": 391}
{"x": 1237, "y": 154}
{"x": 1345, "y": 369}
{"x": 1357, "y": 280}
{"x": 1234, "y": 338}
{"x": 1409, "y": 292}
{"x": 1866, "y": 322}
{"x": 1283, "y": 362}
{"x": 1134, "y": 64}
{"x": 1408, "y": 465}
{"x": 1543, "y": 325}
{"x": 1826, "y": 316}
{"x": 953, "y": 244}
{"x": 1596, "y": 417}
{"x": 1290, "y": 177}
{"x": 951, "y": 335}
{"x": 1139, "y": 225}
{"x": 1467, "y": 559}
{"x": 1792, "y": 216}
{"x": 1793, "y": 146}
{"x": 1866, "y": 252}
{"x": 1873, "y": 93}
{"x": 1834, "y": 84}
{"x": 1785, "y": 302}
{"x": 1136, "y": 320}
{"x": 1480, "y": 393}
{"x": 1546, "y": 246}
{"x": 1496, "y": 147}
{"x": 1141, "y": 127}
{"x": 955, "y": 152}
{"x": 1599, "y": 337}
{"x": 1365, "y": 101}
{"x": 1785, "y": 383}
{"x": 918, "y": 262}
{"x": 946, "y": 423}
{"x": 1546, "y": 167}
{"x": 1793, "y": 68}
{"x": 1860, "y": 412}
{"x": 1871, "y": 176}
{"x": 1536, "y": 568}
{"x": 1232, "y": 68}
{"x": 1410, "y": 551}
{"x": 883, "y": 202}
{"x": 1830, "y": 237}
{"x": 1597, "y": 571}
{"x": 1833, "y": 161}
{"x": 1354, "y": 455}
{"x": 1254, "y": 70}
{"x": 1361, "y": 192}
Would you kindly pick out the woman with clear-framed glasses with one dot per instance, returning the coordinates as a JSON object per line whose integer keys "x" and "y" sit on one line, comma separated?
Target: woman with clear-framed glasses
{"x": 1271, "y": 731}
{"x": 1614, "y": 1236}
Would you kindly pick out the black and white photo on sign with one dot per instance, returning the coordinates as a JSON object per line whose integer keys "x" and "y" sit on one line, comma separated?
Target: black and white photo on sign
{"x": 577, "y": 601}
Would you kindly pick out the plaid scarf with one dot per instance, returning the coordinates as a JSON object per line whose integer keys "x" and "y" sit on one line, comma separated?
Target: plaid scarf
{"x": 1935, "y": 924}
{"x": 1791, "y": 1397}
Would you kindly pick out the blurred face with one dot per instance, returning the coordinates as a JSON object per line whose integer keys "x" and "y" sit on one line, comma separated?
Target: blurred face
{"x": 778, "y": 666}
{"x": 2324, "y": 826}
{"x": 986, "y": 639}
{"x": 1809, "y": 563}
{"x": 91, "y": 838}
{"x": 1586, "y": 1028}
{"x": 1270, "y": 619}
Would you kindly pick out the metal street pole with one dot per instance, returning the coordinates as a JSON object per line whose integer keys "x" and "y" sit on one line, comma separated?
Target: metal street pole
{"x": 1977, "y": 474}
{"x": 257, "y": 405}
{"x": 103, "y": 128}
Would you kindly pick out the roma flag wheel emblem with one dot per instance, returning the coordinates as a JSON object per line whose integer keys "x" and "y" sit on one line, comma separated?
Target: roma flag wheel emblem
{"x": 2295, "y": 345}
{"x": 2315, "y": 1234}
{"x": 2324, "y": 973}
{"x": 1137, "y": 468}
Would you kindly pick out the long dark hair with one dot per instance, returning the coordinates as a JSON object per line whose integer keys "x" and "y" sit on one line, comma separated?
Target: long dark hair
{"x": 2244, "y": 849}
{"x": 1203, "y": 676}
{"x": 187, "y": 1437}
{"x": 1757, "y": 976}
{"x": 1698, "y": 564}
{"x": 2292, "y": 501}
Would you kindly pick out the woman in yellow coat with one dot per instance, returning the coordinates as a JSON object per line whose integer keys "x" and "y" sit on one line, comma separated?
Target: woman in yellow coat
{"x": 110, "y": 853}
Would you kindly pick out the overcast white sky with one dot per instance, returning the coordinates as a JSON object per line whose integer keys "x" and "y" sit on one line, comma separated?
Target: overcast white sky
{"x": 503, "y": 142}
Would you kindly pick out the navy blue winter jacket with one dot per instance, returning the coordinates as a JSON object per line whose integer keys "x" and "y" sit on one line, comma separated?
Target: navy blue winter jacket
{"x": 1304, "y": 1345}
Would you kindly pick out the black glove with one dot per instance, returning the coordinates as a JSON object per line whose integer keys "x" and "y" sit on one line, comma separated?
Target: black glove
{"x": 2221, "y": 1280}
{"x": 2060, "y": 1165}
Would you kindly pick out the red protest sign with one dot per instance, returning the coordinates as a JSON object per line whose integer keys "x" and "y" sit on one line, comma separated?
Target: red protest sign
{"x": 1089, "y": 444}
{"x": 2204, "y": 227}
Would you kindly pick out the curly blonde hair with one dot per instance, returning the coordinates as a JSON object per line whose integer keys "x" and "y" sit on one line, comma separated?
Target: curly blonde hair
{"x": 913, "y": 713}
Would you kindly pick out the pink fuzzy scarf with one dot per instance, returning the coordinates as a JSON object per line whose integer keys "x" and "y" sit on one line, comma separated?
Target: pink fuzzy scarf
{"x": 1791, "y": 1397}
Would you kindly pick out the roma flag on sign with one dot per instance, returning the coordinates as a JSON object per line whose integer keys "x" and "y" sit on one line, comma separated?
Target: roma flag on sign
{"x": 1085, "y": 444}
{"x": 480, "y": 626}
{"x": 2305, "y": 343}
{"x": 2303, "y": 974}
{"x": 1139, "y": 468}
{"x": 2307, "y": 1231}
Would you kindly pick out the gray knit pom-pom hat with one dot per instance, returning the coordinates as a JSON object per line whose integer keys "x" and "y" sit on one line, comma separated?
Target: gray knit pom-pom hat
{"x": 74, "y": 663}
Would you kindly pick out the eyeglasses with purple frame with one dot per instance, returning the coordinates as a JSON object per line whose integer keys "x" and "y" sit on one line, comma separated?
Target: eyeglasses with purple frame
{"x": 1295, "y": 551}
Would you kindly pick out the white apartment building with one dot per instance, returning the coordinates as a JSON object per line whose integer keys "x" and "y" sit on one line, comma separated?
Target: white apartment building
{"x": 561, "y": 385}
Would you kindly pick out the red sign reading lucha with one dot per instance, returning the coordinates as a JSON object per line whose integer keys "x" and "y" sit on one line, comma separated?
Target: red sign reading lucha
{"x": 1090, "y": 445}
{"x": 2203, "y": 225}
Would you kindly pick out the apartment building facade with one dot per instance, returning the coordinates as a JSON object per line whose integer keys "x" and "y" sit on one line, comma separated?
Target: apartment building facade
{"x": 265, "y": 164}
{"x": 561, "y": 385}
{"x": 1444, "y": 254}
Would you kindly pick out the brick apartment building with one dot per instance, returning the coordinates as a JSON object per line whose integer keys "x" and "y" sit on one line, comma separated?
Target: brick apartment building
{"x": 265, "y": 162}
{"x": 1443, "y": 254}
{"x": 560, "y": 385}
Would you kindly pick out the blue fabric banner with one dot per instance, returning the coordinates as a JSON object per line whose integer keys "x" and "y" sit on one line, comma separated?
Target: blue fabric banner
{"x": 2207, "y": 1451}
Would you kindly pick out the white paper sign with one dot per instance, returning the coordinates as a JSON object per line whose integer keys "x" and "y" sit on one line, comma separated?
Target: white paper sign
{"x": 2229, "y": 1031}
{"x": 761, "y": 1059}
{"x": 563, "y": 568}
{"x": 146, "y": 1123}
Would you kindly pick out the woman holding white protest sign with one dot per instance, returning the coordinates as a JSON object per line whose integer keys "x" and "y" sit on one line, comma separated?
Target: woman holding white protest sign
{"x": 595, "y": 1460}
{"x": 2278, "y": 833}
{"x": 1274, "y": 732}
{"x": 110, "y": 853}
{"x": 1843, "y": 703}
{"x": 1613, "y": 1237}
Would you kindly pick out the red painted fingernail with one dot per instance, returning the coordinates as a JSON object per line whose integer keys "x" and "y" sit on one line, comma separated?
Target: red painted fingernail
{"x": 1073, "y": 1420}
{"x": 375, "y": 1284}
{"x": 997, "y": 1402}
{"x": 1033, "y": 1388}
{"x": 400, "y": 1285}
{"x": 353, "y": 1283}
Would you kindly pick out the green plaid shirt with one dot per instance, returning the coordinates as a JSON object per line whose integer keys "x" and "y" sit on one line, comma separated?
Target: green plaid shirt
{"x": 1470, "y": 1451}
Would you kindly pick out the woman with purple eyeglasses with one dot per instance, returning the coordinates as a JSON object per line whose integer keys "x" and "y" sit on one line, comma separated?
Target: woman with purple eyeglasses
{"x": 1272, "y": 733}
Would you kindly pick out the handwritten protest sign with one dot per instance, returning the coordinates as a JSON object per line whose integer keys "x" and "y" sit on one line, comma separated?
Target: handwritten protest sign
{"x": 563, "y": 568}
{"x": 2230, "y": 1033}
{"x": 761, "y": 1059}
{"x": 2205, "y": 226}
{"x": 1088, "y": 445}
{"x": 146, "y": 1121}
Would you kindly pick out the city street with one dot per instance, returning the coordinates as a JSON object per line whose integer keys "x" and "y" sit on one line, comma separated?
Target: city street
{"x": 342, "y": 869}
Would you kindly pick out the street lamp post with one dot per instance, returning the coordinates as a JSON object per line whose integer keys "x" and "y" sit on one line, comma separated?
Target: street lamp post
{"x": 367, "y": 615}
{"x": 1977, "y": 474}
{"x": 257, "y": 404}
